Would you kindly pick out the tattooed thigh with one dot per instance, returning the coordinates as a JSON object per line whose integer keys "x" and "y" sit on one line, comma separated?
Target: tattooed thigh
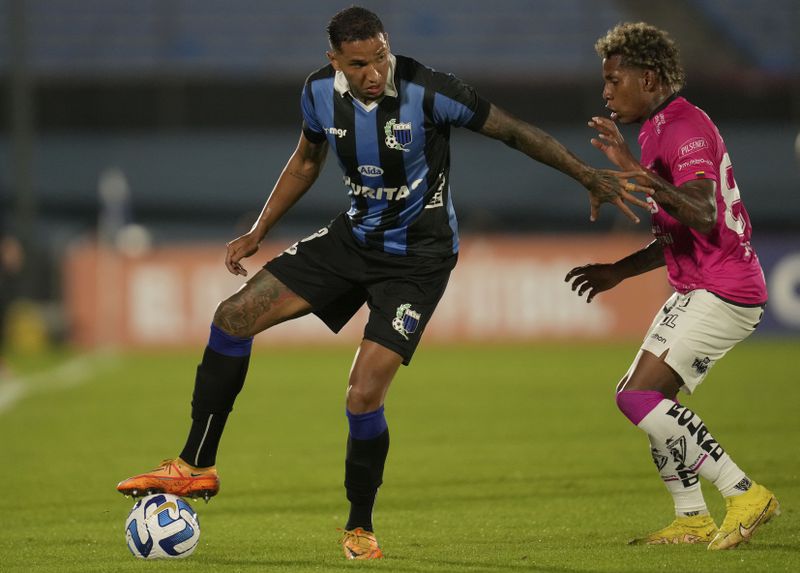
{"x": 262, "y": 302}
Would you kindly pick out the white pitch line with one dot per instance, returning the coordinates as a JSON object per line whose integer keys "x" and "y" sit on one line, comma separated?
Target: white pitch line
{"x": 72, "y": 373}
{"x": 10, "y": 392}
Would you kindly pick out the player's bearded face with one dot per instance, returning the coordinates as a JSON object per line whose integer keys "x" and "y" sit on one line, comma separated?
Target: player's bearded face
{"x": 365, "y": 64}
{"x": 623, "y": 91}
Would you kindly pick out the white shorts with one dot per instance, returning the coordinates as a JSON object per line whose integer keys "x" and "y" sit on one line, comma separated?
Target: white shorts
{"x": 695, "y": 330}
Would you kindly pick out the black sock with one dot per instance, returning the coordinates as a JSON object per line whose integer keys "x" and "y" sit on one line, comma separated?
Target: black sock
{"x": 363, "y": 475}
{"x": 219, "y": 380}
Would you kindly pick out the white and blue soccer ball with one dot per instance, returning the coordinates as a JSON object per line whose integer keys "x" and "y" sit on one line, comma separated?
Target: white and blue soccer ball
{"x": 162, "y": 526}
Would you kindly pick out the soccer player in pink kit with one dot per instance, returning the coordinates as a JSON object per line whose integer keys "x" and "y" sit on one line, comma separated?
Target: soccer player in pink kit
{"x": 702, "y": 235}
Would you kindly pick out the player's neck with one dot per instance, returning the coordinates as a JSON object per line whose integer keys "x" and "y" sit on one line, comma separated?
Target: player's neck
{"x": 661, "y": 100}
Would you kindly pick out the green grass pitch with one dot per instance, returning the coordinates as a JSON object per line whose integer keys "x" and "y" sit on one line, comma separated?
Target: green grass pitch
{"x": 503, "y": 458}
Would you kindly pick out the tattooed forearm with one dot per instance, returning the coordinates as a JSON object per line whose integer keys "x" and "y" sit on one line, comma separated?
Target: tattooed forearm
{"x": 304, "y": 177}
{"x": 533, "y": 142}
{"x": 693, "y": 203}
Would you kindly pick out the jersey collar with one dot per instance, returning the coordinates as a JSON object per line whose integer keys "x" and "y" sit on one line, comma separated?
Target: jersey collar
{"x": 343, "y": 88}
{"x": 663, "y": 104}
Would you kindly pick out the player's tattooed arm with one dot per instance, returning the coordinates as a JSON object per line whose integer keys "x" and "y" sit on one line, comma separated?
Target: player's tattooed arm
{"x": 694, "y": 203}
{"x": 297, "y": 177}
{"x": 604, "y": 186}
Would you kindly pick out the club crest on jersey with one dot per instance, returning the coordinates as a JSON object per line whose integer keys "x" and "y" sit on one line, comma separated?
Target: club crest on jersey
{"x": 406, "y": 320}
{"x": 398, "y": 135}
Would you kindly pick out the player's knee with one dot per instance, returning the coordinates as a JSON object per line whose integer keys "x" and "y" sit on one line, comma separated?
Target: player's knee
{"x": 229, "y": 318}
{"x": 362, "y": 398}
{"x": 635, "y": 405}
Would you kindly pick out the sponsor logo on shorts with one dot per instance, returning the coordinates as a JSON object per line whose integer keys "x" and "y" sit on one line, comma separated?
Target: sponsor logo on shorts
{"x": 669, "y": 320}
{"x": 701, "y": 365}
{"x": 658, "y": 337}
{"x": 370, "y": 170}
{"x": 406, "y": 320}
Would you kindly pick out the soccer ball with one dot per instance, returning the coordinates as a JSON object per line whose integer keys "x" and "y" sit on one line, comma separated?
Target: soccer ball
{"x": 162, "y": 526}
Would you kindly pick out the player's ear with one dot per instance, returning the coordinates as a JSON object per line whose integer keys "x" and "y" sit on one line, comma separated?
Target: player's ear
{"x": 332, "y": 59}
{"x": 649, "y": 80}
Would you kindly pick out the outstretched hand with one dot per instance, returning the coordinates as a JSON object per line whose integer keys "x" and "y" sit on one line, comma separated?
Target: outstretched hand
{"x": 593, "y": 279}
{"x": 238, "y": 249}
{"x": 609, "y": 186}
{"x": 609, "y": 140}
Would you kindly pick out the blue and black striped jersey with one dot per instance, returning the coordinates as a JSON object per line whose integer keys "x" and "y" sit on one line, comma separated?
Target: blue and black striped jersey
{"x": 395, "y": 154}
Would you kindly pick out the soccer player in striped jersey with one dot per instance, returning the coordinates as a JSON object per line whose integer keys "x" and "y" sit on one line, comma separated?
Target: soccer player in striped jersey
{"x": 387, "y": 119}
{"x": 702, "y": 235}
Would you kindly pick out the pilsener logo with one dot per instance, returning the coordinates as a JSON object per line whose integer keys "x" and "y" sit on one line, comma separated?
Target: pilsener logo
{"x": 693, "y": 145}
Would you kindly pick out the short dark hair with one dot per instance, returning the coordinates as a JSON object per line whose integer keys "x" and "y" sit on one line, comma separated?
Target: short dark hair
{"x": 353, "y": 24}
{"x": 644, "y": 46}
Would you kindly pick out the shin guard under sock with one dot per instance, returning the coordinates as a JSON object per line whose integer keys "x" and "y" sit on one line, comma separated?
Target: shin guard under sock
{"x": 683, "y": 485}
{"x": 367, "y": 448}
{"x": 220, "y": 378}
{"x": 677, "y": 430}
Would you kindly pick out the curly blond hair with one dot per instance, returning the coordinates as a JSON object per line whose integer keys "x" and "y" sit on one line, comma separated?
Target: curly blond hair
{"x": 644, "y": 46}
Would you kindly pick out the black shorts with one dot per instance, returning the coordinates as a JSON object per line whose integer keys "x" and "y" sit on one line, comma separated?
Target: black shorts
{"x": 336, "y": 275}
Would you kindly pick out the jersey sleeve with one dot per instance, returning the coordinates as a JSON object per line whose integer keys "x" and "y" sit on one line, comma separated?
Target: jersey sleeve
{"x": 690, "y": 152}
{"x": 457, "y": 103}
{"x": 312, "y": 129}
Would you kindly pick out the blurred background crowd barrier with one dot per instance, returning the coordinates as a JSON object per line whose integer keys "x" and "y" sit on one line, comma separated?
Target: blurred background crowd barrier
{"x": 141, "y": 135}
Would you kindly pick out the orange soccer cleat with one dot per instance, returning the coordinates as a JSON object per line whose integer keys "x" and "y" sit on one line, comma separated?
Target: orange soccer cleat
{"x": 360, "y": 544}
{"x": 176, "y": 477}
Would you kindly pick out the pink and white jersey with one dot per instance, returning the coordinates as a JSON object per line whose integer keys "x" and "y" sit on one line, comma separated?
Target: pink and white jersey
{"x": 680, "y": 143}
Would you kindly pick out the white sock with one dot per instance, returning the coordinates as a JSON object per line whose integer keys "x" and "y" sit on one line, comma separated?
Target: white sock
{"x": 676, "y": 429}
{"x": 682, "y": 484}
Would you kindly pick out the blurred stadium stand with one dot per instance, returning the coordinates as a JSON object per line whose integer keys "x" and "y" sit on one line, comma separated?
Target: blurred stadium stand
{"x": 765, "y": 32}
{"x": 196, "y": 101}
